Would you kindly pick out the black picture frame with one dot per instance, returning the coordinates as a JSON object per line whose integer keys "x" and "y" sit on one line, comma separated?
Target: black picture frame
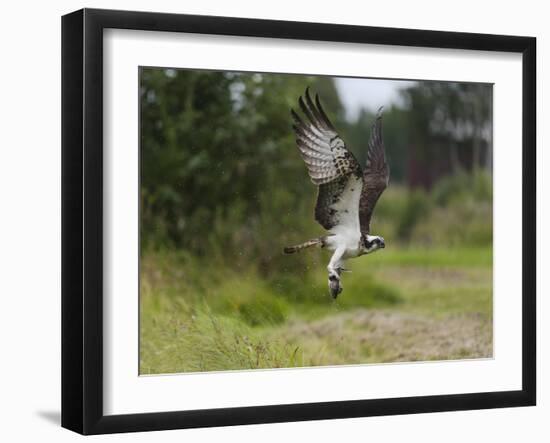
{"x": 82, "y": 220}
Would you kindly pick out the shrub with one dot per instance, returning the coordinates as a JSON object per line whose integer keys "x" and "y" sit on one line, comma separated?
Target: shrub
{"x": 417, "y": 208}
{"x": 462, "y": 186}
{"x": 466, "y": 223}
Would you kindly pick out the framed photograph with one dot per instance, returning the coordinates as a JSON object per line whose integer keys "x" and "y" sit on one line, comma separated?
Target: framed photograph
{"x": 269, "y": 221}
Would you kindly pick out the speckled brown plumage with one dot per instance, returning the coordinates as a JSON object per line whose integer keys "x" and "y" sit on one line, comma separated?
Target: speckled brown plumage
{"x": 344, "y": 190}
{"x": 375, "y": 176}
{"x": 329, "y": 163}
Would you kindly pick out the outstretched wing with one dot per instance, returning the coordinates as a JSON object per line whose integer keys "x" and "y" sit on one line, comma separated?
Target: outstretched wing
{"x": 330, "y": 165}
{"x": 375, "y": 175}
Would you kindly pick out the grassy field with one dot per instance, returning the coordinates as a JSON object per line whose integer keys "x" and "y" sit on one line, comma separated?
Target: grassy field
{"x": 400, "y": 304}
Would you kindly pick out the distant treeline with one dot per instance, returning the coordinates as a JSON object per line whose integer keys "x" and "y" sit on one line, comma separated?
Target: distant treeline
{"x": 219, "y": 166}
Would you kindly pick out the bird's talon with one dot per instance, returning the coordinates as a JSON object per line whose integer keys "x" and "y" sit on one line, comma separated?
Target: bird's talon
{"x": 332, "y": 202}
{"x": 334, "y": 284}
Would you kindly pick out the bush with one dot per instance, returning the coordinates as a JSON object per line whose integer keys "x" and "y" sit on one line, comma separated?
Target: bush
{"x": 462, "y": 186}
{"x": 417, "y": 208}
{"x": 466, "y": 223}
{"x": 458, "y": 210}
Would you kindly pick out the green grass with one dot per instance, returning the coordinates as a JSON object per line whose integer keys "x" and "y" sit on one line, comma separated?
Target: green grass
{"x": 403, "y": 303}
{"x": 433, "y": 257}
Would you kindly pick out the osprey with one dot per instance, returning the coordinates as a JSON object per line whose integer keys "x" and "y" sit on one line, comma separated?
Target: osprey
{"x": 347, "y": 194}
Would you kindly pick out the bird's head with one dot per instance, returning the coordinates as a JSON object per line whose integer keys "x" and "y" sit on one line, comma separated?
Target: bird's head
{"x": 372, "y": 243}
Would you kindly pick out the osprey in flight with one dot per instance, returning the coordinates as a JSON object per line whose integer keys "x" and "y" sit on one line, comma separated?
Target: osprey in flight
{"x": 347, "y": 194}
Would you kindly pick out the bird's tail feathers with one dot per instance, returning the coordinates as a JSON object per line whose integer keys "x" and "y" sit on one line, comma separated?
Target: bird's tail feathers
{"x": 308, "y": 244}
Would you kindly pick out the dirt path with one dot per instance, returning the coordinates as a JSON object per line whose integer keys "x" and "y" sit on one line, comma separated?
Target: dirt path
{"x": 363, "y": 336}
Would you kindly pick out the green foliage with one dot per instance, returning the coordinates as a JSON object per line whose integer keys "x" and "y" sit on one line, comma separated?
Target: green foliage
{"x": 397, "y": 138}
{"x": 430, "y": 257}
{"x": 223, "y": 190}
{"x": 367, "y": 292}
{"x": 249, "y": 300}
{"x": 482, "y": 190}
{"x": 263, "y": 310}
{"x": 458, "y": 210}
{"x": 449, "y": 128}
{"x": 463, "y": 214}
{"x": 477, "y": 187}
{"x": 220, "y": 173}
{"x": 206, "y": 342}
{"x": 309, "y": 290}
{"x": 463, "y": 223}
{"x": 195, "y": 317}
{"x": 416, "y": 208}
{"x": 246, "y": 294}
{"x": 209, "y": 144}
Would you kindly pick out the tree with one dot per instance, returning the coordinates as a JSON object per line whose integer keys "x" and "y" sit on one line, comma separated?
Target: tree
{"x": 450, "y": 129}
{"x": 216, "y": 150}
